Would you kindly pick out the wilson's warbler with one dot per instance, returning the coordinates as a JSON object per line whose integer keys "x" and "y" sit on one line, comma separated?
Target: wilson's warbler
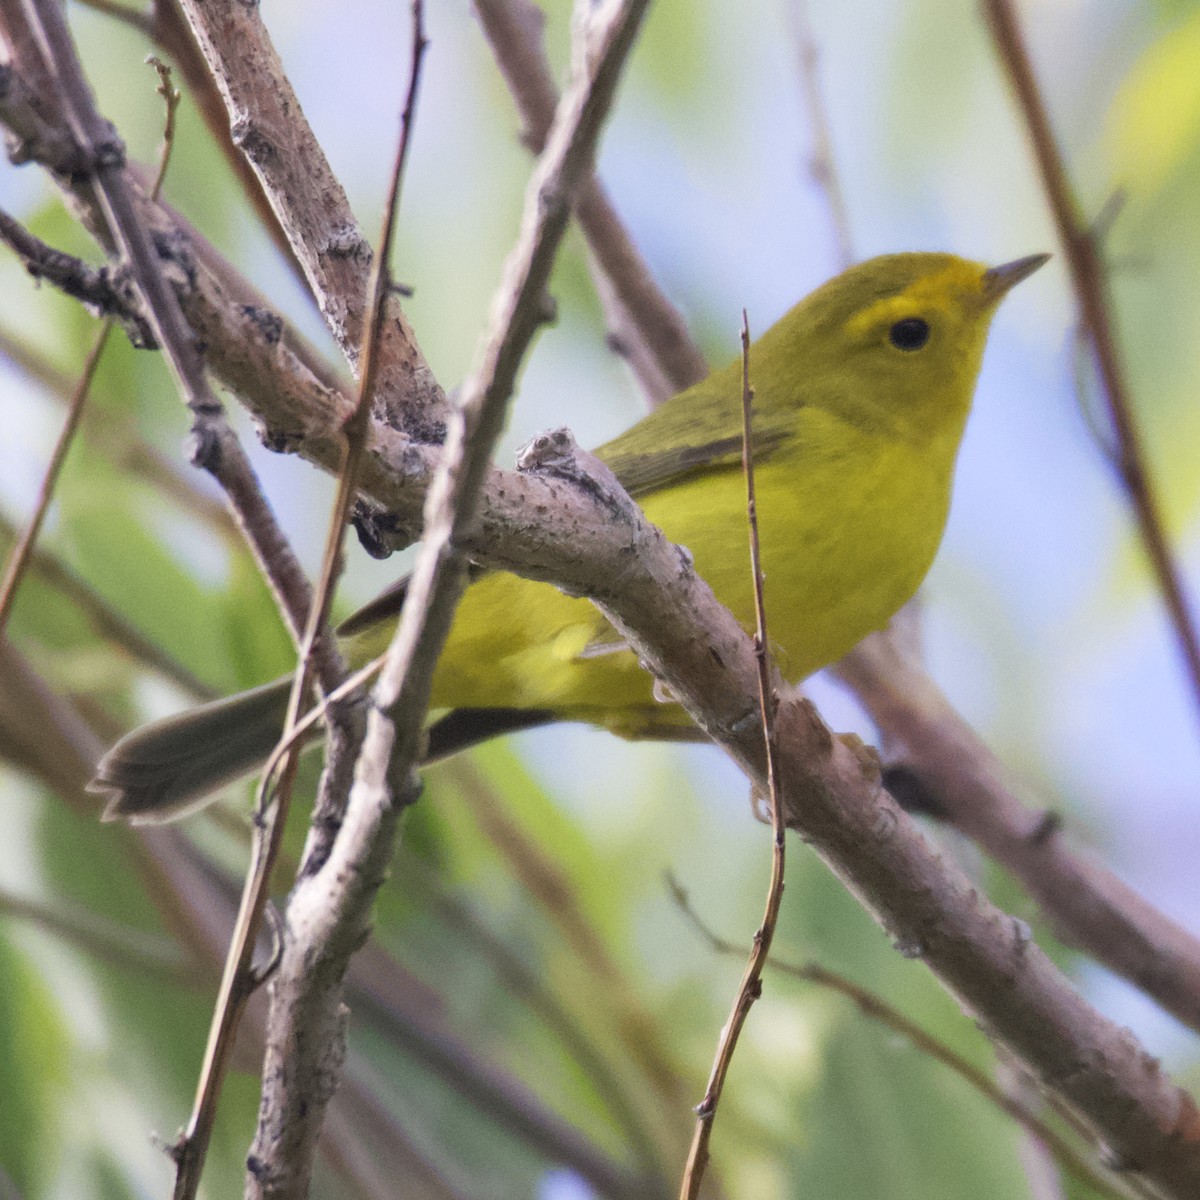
{"x": 861, "y": 394}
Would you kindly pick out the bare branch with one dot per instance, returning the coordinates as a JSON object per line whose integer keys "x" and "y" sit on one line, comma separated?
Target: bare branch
{"x": 330, "y": 908}
{"x": 18, "y": 559}
{"x": 1087, "y": 904}
{"x": 644, "y": 326}
{"x": 750, "y": 987}
{"x": 345, "y": 724}
{"x": 268, "y": 124}
{"x": 197, "y": 905}
{"x": 93, "y": 287}
{"x": 1089, "y": 278}
{"x": 875, "y": 1008}
{"x": 215, "y": 447}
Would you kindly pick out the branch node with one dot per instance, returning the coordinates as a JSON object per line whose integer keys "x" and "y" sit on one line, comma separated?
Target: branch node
{"x": 347, "y": 241}
{"x": 259, "y": 973}
{"x": 376, "y": 528}
{"x": 865, "y": 755}
{"x": 910, "y": 946}
{"x": 556, "y": 453}
{"x": 820, "y": 732}
{"x": 248, "y": 136}
{"x": 1022, "y": 935}
{"x": 886, "y": 823}
{"x": 280, "y": 441}
{"x": 1051, "y": 822}
{"x": 267, "y": 323}
{"x": 203, "y": 446}
{"x": 108, "y": 152}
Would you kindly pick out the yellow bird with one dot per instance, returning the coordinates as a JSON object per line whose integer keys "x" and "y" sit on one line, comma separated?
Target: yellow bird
{"x": 861, "y": 394}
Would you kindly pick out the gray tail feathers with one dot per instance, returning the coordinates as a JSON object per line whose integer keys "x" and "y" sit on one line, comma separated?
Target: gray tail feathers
{"x": 162, "y": 770}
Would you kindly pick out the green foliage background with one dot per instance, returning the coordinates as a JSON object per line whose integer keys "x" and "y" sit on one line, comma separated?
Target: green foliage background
{"x": 1040, "y": 621}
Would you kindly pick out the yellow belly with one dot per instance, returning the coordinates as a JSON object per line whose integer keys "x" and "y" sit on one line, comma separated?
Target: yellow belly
{"x": 827, "y": 583}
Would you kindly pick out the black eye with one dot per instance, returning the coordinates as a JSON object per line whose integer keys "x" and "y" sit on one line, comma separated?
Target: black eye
{"x": 910, "y": 334}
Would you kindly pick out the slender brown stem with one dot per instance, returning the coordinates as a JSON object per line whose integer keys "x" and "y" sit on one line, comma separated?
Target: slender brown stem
{"x": 171, "y": 98}
{"x": 356, "y": 427}
{"x": 644, "y": 326}
{"x": 329, "y": 910}
{"x": 821, "y": 161}
{"x": 1089, "y": 279}
{"x": 215, "y": 446}
{"x": 239, "y": 981}
{"x": 875, "y": 1008}
{"x": 19, "y": 559}
{"x": 751, "y": 986}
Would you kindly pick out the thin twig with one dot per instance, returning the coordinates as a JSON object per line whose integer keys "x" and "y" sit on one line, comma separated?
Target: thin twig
{"x": 1081, "y": 252}
{"x": 356, "y": 427}
{"x": 18, "y": 560}
{"x": 166, "y": 27}
{"x": 171, "y": 98}
{"x": 330, "y": 907}
{"x": 198, "y": 905}
{"x": 1087, "y": 905}
{"x": 215, "y": 446}
{"x": 93, "y": 287}
{"x": 877, "y": 1009}
{"x": 821, "y": 161}
{"x": 269, "y": 127}
{"x": 644, "y": 326}
{"x": 238, "y": 981}
{"x": 20, "y": 556}
{"x": 751, "y": 985}
{"x": 591, "y": 541}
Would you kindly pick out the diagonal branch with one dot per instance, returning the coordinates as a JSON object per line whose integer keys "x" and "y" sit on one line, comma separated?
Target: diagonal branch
{"x": 1088, "y": 274}
{"x": 1087, "y": 905}
{"x": 1086, "y": 902}
{"x": 329, "y": 912}
{"x": 268, "y": 124}
{"x": 562, "y": 518}
{"x": 644, "y": 326}
{"x": 345, "y": 725}
{"x": 750, "y": 987}
{"x": 214, "y": 445}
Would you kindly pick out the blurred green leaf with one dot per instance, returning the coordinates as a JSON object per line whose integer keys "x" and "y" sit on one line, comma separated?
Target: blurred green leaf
{"x": 1154, "y": 124}
{"x": 34, "y": 1037}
